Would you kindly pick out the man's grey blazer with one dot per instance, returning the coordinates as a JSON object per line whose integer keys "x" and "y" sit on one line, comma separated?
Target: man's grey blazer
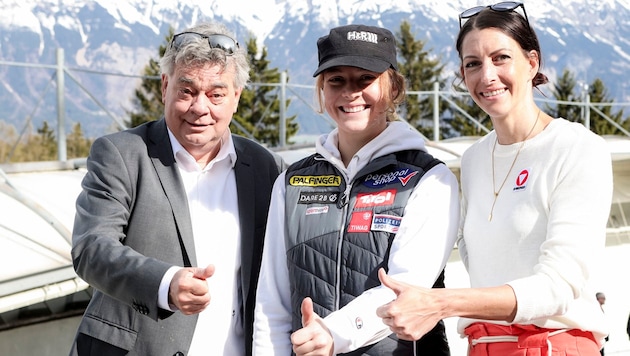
{"x": 132, "y": 224}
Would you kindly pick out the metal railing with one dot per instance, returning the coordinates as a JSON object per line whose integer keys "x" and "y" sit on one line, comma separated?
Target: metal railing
{"x": 284, "y": 92}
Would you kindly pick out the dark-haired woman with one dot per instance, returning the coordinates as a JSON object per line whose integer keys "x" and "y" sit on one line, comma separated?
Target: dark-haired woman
{"x": 536, "y": 195}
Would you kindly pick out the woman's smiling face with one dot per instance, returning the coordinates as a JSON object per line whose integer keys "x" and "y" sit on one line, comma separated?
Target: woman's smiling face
{"x": 496, "y": 71}
{"x": 354, "y": 99}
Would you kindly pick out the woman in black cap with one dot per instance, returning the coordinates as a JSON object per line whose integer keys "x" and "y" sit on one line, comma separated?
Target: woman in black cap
{"x": 370, "y": 198}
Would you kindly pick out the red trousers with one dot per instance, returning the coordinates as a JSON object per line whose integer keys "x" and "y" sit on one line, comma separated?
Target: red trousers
{"x": 487, "y": 339}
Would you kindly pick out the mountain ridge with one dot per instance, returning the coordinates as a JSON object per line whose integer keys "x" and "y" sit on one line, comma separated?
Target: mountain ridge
{"x": 590, "y": 38}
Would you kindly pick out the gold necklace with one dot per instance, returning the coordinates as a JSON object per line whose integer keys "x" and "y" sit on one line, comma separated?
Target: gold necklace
{"x": 496, "y": 192}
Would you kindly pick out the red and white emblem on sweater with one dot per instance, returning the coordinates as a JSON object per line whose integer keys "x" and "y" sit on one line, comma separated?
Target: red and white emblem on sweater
{"x": 521, "y": 180}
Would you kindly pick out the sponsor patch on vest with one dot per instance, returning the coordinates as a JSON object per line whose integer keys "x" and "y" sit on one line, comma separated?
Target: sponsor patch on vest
{"x": 360, "y": 221}
{"x": 387, "y": 223}
{"x": 318, "y": 197}
{"x": 315, "y": 210}
{"x": 316, "y": 181}
{"x": 402, "y": 175}
{"x": 382, "y": 198}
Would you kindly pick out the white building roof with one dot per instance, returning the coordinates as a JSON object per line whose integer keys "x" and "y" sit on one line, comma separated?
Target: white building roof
{"x": 35, "y": 233}
{"x": 37, "y": 211}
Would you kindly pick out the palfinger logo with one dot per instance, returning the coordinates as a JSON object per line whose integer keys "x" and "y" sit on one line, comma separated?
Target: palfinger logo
{"x": 316, "y": 181}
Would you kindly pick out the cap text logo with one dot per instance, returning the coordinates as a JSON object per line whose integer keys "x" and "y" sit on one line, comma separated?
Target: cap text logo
{"x": 362, "y": 36}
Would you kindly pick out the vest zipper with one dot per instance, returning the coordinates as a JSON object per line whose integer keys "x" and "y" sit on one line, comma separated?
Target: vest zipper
{"x": 343, "y": 204}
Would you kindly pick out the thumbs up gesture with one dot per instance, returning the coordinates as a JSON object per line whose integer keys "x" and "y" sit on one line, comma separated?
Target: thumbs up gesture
{"x": 413, "y": 313}
{"x": 308, "y": 314}
{"x": 314, "y": 339}
{"x": 189, "y": 290}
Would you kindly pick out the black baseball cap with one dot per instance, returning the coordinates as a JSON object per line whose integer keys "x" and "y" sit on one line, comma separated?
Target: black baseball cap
{"x": 367, "y": 47}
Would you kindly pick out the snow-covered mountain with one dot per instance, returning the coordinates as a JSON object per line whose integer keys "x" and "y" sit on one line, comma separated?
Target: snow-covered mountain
{"x": 589, "y": 37}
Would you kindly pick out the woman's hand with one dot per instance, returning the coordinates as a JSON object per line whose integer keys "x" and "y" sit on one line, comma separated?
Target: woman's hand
{"x": 313, "y": 339}
{"x": 414, "y": 311}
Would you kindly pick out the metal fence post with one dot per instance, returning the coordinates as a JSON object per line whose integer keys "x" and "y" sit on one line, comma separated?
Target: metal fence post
{"x": 436, "y": 111}
{"x": 283, "y": 120}
{"x": 587, "y": 111}
{"x": 61, "y": 108}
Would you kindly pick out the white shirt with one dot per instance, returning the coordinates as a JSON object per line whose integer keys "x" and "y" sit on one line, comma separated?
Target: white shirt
{"x": 212, "y": 201}
{"x": 548, "y": 226}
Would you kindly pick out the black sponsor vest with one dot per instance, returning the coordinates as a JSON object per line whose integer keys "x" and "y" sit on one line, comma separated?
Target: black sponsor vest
{"x": 338, "y": 234}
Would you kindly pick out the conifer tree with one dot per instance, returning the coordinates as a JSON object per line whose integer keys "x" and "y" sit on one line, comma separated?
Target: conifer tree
{"x": 421, "y": 72}
{"x": 598, "y": 94}
{"x": 39, "y": 147}
{"x": 77, "y": 144}
{"x": 258, "y": 113}
{"x": 564, "y": 90}
{"x": 8, "y": 135}
{"x": 147, "y": 101}
{"x": 463, "y": 125}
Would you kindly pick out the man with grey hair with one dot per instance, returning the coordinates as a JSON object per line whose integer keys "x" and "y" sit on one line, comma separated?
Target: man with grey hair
{"x": 170, "y": 223}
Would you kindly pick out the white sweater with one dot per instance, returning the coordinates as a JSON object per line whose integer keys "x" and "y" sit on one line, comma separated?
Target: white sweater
{"x": 548, "y": 227}
{"x": 432, "y": 210}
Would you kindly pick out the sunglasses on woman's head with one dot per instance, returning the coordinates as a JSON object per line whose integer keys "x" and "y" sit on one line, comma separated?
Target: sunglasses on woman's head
{"x": 223, "y": 42}
{"x": 505, "y": 6}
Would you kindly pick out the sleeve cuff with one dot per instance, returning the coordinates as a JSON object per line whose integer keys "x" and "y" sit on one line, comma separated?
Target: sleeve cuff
{"x": 165, "y": 285}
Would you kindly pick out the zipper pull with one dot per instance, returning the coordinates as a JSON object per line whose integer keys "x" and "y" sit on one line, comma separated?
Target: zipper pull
{"x": 343, "y": 200}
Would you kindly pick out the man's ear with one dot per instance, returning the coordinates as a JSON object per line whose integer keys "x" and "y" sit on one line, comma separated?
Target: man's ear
{"x": 237, "y": 97}
{"x": 164, "y": 86}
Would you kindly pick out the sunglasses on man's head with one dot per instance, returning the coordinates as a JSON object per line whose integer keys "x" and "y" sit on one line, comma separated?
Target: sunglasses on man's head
{"x": 223, "y": 42}
{"x": 505, "y": 6}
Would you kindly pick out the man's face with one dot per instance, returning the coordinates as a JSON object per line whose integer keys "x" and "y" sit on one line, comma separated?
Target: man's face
{"x": 198, "y": 107}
